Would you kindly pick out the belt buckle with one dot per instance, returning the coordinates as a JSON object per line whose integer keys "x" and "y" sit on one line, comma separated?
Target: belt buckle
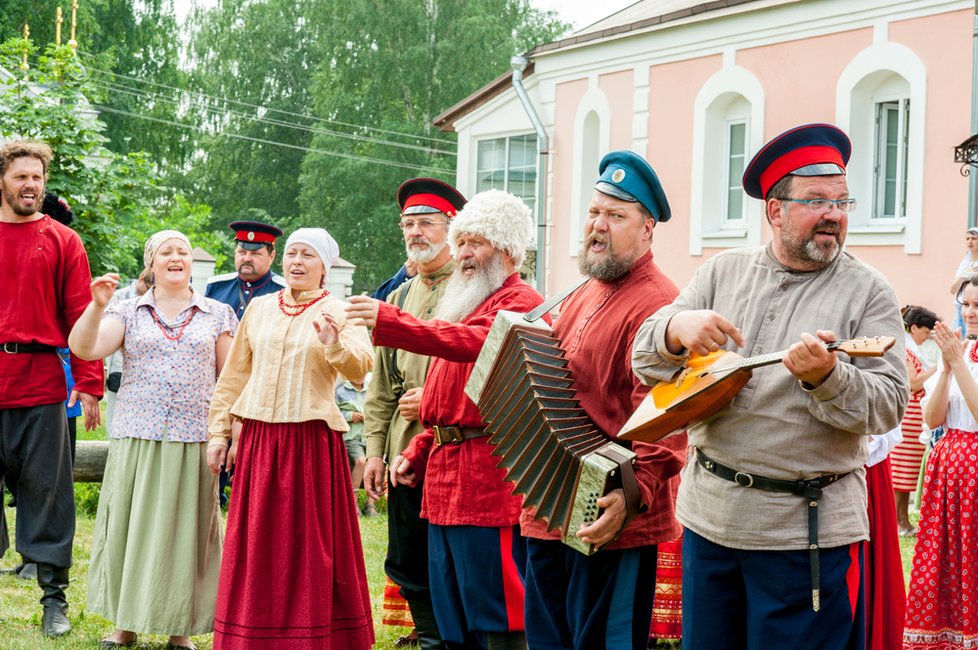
{"x": 743, "y": 479}
{"x": 8, "y": 350}
{"x": 447, "y": 434}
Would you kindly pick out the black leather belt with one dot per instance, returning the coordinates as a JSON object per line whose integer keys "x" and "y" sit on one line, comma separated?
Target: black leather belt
{"x": 20, "y": 348}
{"x": 811, "y": 489}
{"x": 456, "y": 435}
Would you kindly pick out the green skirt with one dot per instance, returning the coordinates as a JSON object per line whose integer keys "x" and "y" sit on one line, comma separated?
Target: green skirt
{"x": 156, "y": 549}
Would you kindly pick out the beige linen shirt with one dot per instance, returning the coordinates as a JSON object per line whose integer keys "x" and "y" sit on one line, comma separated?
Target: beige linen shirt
{"x": 386, "y": 432}
{"x": 279, "y": 371}
{"x": 775, "y": 427}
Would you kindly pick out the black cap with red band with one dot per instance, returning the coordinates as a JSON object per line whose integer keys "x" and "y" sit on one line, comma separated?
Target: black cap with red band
{"x": 427, "y": 196}
{"x": 252, "y": 235}
{"x": 807, "y": 150}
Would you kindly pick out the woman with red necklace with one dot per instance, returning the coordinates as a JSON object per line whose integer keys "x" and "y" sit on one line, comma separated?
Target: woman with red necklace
{"x": 156, "y": 550}
{"x": 943, "y": 589}
{"x": 293, "y": 573}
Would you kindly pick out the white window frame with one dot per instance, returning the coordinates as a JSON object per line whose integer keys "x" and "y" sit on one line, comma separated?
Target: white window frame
{"x": 855, "y": 112}
{"x": 901, "y": 105}
{"x": 738, "y": 224}
{"x": 711, "y": 112}
{"x": 531, "y": 200}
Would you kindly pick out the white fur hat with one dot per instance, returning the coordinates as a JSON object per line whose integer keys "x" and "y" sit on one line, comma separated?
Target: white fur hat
{"x": 500, "y": 217}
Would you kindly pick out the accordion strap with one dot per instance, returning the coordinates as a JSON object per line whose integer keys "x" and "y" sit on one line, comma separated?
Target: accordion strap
{"x": 553, "y": 301}
{"x": 629, "y": 484}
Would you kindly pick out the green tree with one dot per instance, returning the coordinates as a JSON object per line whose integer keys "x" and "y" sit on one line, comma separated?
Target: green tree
{"x": 49, "y": 102}
{"x": 131, "y": 50}
{"x": 394, "y": 65}
{"x": 244, "y": 55}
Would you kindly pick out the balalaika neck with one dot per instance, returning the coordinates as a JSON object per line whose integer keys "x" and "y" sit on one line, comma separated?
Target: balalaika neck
{"x": 761, "y": 360}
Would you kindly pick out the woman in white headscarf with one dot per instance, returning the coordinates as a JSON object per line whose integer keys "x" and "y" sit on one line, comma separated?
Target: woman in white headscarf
{"x": 156, "y": 550}
{"x": 293, "y": 569}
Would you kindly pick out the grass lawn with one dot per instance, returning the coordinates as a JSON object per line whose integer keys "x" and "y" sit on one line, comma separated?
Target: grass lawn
{"x": 20, "y": 612}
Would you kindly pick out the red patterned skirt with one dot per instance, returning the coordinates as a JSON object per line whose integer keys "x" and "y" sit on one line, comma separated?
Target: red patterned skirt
{"x": 942, "y": 602}
{"x": 293, "y": 574}
{"x": 886, "y": 595}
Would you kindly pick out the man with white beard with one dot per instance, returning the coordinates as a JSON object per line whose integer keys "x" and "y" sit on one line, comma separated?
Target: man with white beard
{"x": 475, "y": 551}
{"x": 394, "y": 394}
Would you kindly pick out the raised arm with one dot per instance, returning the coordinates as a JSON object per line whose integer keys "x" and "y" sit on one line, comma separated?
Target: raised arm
{"x": 94, "y": 337}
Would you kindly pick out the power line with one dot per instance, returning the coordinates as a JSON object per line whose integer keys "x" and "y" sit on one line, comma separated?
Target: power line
{"x": 270, "y": 109}
{"x": 238, "y": 136}
{"x": 145, "y": 95}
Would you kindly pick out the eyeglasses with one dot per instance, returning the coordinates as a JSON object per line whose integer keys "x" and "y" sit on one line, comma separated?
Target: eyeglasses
{"x": 423, "y": 224}
{"x": 821, "y": 207}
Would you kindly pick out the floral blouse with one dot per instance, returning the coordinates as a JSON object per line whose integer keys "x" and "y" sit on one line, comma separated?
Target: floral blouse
{"x": 167, "y": 379}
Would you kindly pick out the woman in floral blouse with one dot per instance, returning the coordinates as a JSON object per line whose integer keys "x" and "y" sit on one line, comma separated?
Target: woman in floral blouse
{"x": 293, "y": 572}
{"x": 156, "y": 550}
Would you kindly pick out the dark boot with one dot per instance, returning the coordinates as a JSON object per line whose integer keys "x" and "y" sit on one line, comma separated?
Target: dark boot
{"x": 506, "y": 641}
{"x": 424, "y": 624}
{"x": 53, "y": 580}
{"x": 28, "y": 571}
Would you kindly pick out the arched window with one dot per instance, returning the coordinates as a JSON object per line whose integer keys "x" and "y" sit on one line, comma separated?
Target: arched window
{"x": 880, "y": 103}
{"x": 727, "y": 129}
{"x": 592, "y": 137}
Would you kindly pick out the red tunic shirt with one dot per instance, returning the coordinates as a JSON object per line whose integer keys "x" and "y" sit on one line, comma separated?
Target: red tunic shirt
{"x": 44, "y": 287}
{"x": 596, "y": 328}
{"x": 463, "y": 486}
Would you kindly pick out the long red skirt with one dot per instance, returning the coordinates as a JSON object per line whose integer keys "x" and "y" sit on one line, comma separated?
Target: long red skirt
{"x": 942, "y": 603}
{"x": 293, "y": 575}
{"x": 886, "y": 597}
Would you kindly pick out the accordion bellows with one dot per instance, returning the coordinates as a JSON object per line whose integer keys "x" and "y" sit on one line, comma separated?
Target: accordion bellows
{"x": 556, "y": 457}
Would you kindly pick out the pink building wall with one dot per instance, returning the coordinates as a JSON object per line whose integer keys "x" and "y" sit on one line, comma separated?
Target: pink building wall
{"x": 799, "y": 80}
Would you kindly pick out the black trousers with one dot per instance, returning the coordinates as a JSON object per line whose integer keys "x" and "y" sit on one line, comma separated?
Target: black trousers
{"x": 35, "y": 458}
{"x": 407, "y": 543}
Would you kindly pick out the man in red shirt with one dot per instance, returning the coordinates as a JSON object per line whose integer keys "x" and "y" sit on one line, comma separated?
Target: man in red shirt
{"x": 43, "y": 290}
{"x": 605, "y": 600}
{"x": 475, "y": 552}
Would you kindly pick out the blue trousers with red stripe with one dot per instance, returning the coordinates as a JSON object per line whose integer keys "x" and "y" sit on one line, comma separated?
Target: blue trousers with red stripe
{"x": 756, "y": 600}
{"x": 476, "y": 577}
{"x": 587, "y": 603}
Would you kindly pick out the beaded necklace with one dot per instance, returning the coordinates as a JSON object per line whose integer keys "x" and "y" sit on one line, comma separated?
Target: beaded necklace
{"x": 294, "y": 310}
{"x": 973, "y": 355}
{"x": 182, "y": 326}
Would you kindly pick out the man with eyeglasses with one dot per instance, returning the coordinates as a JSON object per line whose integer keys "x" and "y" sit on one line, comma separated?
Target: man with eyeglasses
{"x": 394, "y": 394}
{"x": 773, "y": 498}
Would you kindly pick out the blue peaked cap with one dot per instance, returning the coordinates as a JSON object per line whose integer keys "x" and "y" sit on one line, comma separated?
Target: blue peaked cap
{"x": 627, "y": 176}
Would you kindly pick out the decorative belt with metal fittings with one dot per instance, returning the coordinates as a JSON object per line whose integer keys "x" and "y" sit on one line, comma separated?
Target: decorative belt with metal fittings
{"x": 810, "y": 489}
{"x": 456, "y": 435}
{"x": 20, "y": 348}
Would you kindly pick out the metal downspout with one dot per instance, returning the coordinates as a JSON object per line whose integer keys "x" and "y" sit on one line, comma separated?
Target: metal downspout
{"x": 973, "y": 178}
{"x": 518, "y": 64}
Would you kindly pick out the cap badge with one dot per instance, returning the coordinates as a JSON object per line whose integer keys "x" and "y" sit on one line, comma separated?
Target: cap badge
{"x": 251, "y": 236}
{"x": 618, "y": 175}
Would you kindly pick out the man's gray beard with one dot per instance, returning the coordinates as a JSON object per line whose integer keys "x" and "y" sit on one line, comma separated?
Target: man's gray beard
{"x": 821, "y": 255}
{"x": 425, "y": 255}
{"x": 609, "y": 269}
{"x": 463, "y": 294}
{"x": 805, "y": 249}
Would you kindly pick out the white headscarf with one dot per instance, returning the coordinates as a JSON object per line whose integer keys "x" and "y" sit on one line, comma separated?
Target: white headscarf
{"x": 320, "y": 241}
{"x": 155, "y": 241}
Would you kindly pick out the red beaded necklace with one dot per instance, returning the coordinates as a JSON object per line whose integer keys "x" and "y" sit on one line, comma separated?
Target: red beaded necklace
{"x": 294, "y": 310}
{"x": 182, "y": 326}
{"x": 973, "y": 355}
